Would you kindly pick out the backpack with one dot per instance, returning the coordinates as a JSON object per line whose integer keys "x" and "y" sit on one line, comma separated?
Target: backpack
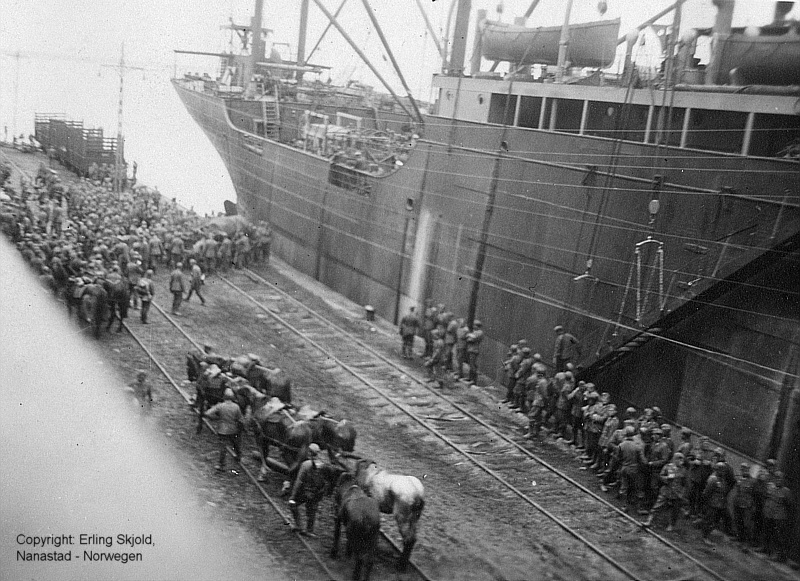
{"x": 143, "y": 289}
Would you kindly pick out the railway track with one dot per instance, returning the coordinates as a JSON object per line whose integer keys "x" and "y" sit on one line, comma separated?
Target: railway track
{"x": 283, "y": 543}
{"x": 600, "y": 526}
{"x": 589, "y": 519}
{"x": 286, "y": 542}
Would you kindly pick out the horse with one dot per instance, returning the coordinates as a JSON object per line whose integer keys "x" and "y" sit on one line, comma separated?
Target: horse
{"x": 196, "y": 358}
{"x": 211, "y": 389}
{"x": 361, "y": 518}
{"x": 273, "y": 424}
{"x": 271, "y": 381}
{"x": 402, "y": 496}
{"x": 119, "y": 298}
{"x": 335, "y": 436}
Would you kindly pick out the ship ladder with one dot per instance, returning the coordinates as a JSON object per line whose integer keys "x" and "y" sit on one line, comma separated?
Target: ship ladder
{"x": 269, "y": 112}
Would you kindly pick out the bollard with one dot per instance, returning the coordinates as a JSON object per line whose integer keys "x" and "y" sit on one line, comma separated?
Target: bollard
{"x": 370, "y": 311}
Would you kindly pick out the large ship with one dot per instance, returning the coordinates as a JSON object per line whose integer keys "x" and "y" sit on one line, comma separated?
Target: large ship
{"x": 654, "y": 216}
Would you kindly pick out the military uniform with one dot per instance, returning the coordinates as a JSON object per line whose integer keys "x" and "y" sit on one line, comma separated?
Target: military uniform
{"x": 229, "y": 427}
{"x": 409, "y": 326}
{"x": 309, "y": 488}
{"x": 474, "y": 340}
{"x": 631, "y": 459}
{"x": 743, "y": 505}
{"x": 672, "y": 491}
{"x": 715, "y": 494}
{"x": 177, "y": 287}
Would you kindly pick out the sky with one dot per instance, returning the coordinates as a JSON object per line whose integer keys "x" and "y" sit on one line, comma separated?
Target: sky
{"x": 63, "y": 47}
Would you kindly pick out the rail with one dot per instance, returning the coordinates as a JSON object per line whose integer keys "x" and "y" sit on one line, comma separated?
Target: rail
{"x": 479, "y": 464}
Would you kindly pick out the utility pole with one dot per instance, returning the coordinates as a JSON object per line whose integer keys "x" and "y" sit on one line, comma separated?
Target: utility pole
{"x": 119, "y": 151}
{"x": 16, "y": 98}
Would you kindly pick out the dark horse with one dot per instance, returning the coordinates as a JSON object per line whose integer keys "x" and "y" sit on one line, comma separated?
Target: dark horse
{"x": 398, "y": 495}
{"x": 119, "y": 298}
{"x": 210, "y": 391}
{"x": 275, "y": 425}
{"x": 335, "y": 436}
{"x": 271, "y": 381}
{"x": 361, "y": 518}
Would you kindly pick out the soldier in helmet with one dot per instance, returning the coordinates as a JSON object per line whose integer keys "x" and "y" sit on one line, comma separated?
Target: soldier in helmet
{"x": 230, "y": 422}
{"x": 308, "y": 489}
{"x": 474, "y": 340}
{"x": 714, "y": 496}
{"x": 672, "y": 491}
{"x": 524, "y": 370}
{"x": 658, "y": 456}
{"x": 743, "y": 504}
{"x": 510, "y": 367}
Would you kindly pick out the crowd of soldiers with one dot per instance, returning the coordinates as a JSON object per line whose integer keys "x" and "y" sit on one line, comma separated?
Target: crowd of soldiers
{"x": 82, "y": 233}
{"x": 633, "y": 453}
{"x": 450, "y": 343}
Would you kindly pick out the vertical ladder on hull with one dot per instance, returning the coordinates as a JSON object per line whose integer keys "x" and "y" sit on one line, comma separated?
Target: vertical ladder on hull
{"x": 270, "y": 115}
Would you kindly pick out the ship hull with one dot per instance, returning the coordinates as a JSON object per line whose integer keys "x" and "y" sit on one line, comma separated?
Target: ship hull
{"x": 538, "y": 211}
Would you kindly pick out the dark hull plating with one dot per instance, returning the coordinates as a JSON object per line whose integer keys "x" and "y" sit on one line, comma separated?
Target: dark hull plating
{"x": 416, "y": 234}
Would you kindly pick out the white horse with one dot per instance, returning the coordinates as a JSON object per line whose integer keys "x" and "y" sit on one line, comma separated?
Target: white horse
{"x": 397, "y": 494}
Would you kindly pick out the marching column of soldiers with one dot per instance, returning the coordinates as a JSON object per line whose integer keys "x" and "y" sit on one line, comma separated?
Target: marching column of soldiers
{"x": 81, "y": 238}
{"x": 632, "y": 453}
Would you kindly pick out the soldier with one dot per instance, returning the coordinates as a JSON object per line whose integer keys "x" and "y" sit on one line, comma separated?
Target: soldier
{"x": 593, "y": 420}
{"x": 224, "y": 253}
{"x": 537, "y": 387}
{"x": 631, "y": 459}
{"x": 657, "y": 457}
{"x": 135, "y": 273}
{"x": 566, "y": 349}
{"x": 450, "y": 328}
{"x": 524, "y": 370}
{"x": 429, "y": 324}
{"x": 156, "y": 252}
{"x": 474, "y": 340}
{"x": 241, "y": 250}
{"x": 729, "y": 476}
{"x": 146, "y": 289}
{"x": 510, "y": 366}
{"x": 308, "y": 489}
{"x": 777, "y": 508}
{"x": 714, "y": 495}
{"x": 409, "y": 326}
{"x": 177, "y": 287}
{"x": 666, "y": 431}
{"x": 671, "y": 494}
{"x": 685, "y": 447}
{"x": 576, "y": 398}
{"x": 142, "y": 389}
{"x": 176, "y": 249}
{"x": 743, "y": 504}
{"x": 196, "y": 282}
{"x": 434, "y": 362}
{"x": 609, "y": 428}
{"x": 460, "y": 348}
{"x": 611, "y": 475}
{"x": 229, "y": 427}
{"x": 210, "y": 254}
{"x": 563, "y": 389}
